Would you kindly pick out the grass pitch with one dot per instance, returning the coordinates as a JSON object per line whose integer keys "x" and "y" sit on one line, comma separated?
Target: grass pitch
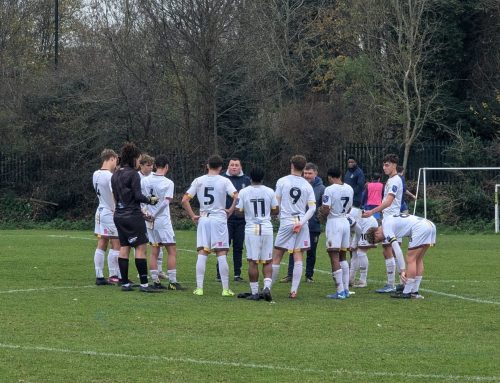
{"x": 57, "y": 326}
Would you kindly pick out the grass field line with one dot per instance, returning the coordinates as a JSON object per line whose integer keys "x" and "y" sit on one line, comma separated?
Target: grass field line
{"x": 466, "y": 378}
{"x": 46, "y": 289}
{"x": 455, "y": 296}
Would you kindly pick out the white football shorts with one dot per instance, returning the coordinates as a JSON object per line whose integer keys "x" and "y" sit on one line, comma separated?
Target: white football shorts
{"x": 286, "y": 239}
{"x": 160, "y": 232}
{"x": 259, "y": 247}
{"x": 423, "y": 233}
{"x": 338, "y": 234}
{"x": 104, "y": 224}
{"x": 212, "y": 234}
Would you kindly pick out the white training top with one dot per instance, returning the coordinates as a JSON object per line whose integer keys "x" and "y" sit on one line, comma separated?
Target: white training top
{"x": 394, "y": 186}
{"x": 257, "y": 201}
{"x": 339, "y": 199}
{"x": 102, "y": 186}
{"x": 211, "y": 191}
{"x": 161, "y": 187}
{"x": 294, "y": 194}
{"x": 399, "y": 226}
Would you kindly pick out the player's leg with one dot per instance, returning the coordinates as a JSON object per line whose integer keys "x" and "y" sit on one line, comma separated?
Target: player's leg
{"x": 219, "y": 239}
{"x": 336, "y": 274}
{"x": 203, "y": 244}
{"x": 363, "y": 267}
{"x": 113, "y": 255}
{"x": 100, "y": 251}
{"x": 419, "y": 272}
{"x": 284, "y": 241}
{"x": 298, "y": 257}
{"x": 161, "y": 274}
{"x": 253, "y": 277}
{"x": 390, "y": 267}
{"x": 288, "y": 277}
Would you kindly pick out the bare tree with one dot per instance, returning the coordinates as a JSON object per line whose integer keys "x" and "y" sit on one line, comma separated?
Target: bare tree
{"x": 398, "y": 36}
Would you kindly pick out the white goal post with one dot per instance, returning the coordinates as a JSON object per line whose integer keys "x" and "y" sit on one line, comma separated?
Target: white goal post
{"x": 423, "y": 172}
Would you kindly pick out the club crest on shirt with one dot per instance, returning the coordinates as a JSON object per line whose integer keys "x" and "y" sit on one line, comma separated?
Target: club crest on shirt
{"x": 394, "y": 188}
{"x": 325, "y": 198}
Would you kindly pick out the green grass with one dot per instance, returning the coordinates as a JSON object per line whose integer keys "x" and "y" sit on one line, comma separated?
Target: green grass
{"x": 83, "y": 333}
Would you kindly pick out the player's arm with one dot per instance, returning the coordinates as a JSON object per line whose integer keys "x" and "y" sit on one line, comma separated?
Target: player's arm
{"x": 324, "y": 210}
{"x": 230, "y": 211}
{"x": 186, "y": 204}
{"x": 400, "y": 259}
{"x": 411, "y": 195}
{"x": 386, "y": 203}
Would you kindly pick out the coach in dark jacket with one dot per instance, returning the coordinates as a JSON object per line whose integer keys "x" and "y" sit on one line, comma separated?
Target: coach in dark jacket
{"x": 355, "y": 178}
{"x": 236, "y": 224}
{"x": 311, "y": 175}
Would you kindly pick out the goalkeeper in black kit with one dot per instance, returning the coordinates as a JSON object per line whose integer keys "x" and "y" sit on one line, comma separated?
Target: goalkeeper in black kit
{"x": 129, "y": 219}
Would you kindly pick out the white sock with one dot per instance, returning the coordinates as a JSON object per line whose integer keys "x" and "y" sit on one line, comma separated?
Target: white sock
{"x": 172, "y": 275}
{"x": 114, "y": 269}
{"x": 154, "y": 275}
{"x": 390, "y": 265}
{"x": 363, "y": 265}
{"x": 345, "y": 274}
{"x": 276, "y": 273}
{"x": 410, "y": 283}
{"x": 224, "y": 271}
{"x": 297, "y": 274}
{"x": 160, "y": 261}
{"x": 354, "y": 266}
{"x": 268, "y": 282}
{"x": 99, "y": 263}
{"x": 201, "y": 264}
{"x": 416, "y": 285}
{"x": 254, "y": 287}
{"x": 337, "y": 277}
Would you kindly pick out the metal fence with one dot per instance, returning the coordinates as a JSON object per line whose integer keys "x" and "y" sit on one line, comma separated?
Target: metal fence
{"x": 20, "y": 171}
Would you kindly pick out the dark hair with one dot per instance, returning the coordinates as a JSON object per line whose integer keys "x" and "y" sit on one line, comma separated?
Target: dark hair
{"x": 376, "y": 176}
{"x": 400, "y": 169}
{"x": 352, "y": 158}
{"x": 234, "y": 159}
{"x": 161, "y": 161}
{"x": 214, "y": 162}
{"x": 334, "y": 172}
{"x": 129, "y": 154}
{"x": 311, "y": 166}
{"x": 299, "y": 162}
{"x": 257, "y": 174}
{"x": 392, "y": 158}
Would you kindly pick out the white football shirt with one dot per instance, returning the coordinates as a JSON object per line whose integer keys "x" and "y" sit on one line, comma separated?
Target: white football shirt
{"x": 294, "y": 194}
{"x": 399, "y": 226}
{"x": 161, "y": 187}
{"x": 211, "y": 191}
{"x": 257, "y": 201}
{"x": 394, "y": 186}
{"x": 102, "y": 186}
{"x": 339, "y": 199}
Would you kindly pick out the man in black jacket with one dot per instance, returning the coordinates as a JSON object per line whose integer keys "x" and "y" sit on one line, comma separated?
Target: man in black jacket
{"x": 235, "y": 223}
{"x": 355, "y": 178}
{"x": 128, "y": 217}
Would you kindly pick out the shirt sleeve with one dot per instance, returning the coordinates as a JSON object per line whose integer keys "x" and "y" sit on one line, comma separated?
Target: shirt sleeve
{"x": 136, "y": 188}
{"x": 393, "y": 185}
{"x": 239, "y": 203}
{"x": 279, "y": 189}
{"x": 170, "y": 191}
{"x": 191, "y": 192}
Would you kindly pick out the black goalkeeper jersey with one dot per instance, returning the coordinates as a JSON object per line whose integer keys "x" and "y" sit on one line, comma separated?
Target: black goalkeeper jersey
{"x": 126, "y": 184}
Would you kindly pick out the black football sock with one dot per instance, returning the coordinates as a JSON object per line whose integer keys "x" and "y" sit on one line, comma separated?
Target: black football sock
{"x": 123, "y": 264}
{"x": 142, "y": 268}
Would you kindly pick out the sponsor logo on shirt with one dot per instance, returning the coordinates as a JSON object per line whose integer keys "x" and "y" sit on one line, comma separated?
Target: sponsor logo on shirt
{"x": 132, "y": 239}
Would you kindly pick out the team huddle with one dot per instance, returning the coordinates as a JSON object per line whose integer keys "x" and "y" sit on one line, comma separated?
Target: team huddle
{"x": 134, "y": 211}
